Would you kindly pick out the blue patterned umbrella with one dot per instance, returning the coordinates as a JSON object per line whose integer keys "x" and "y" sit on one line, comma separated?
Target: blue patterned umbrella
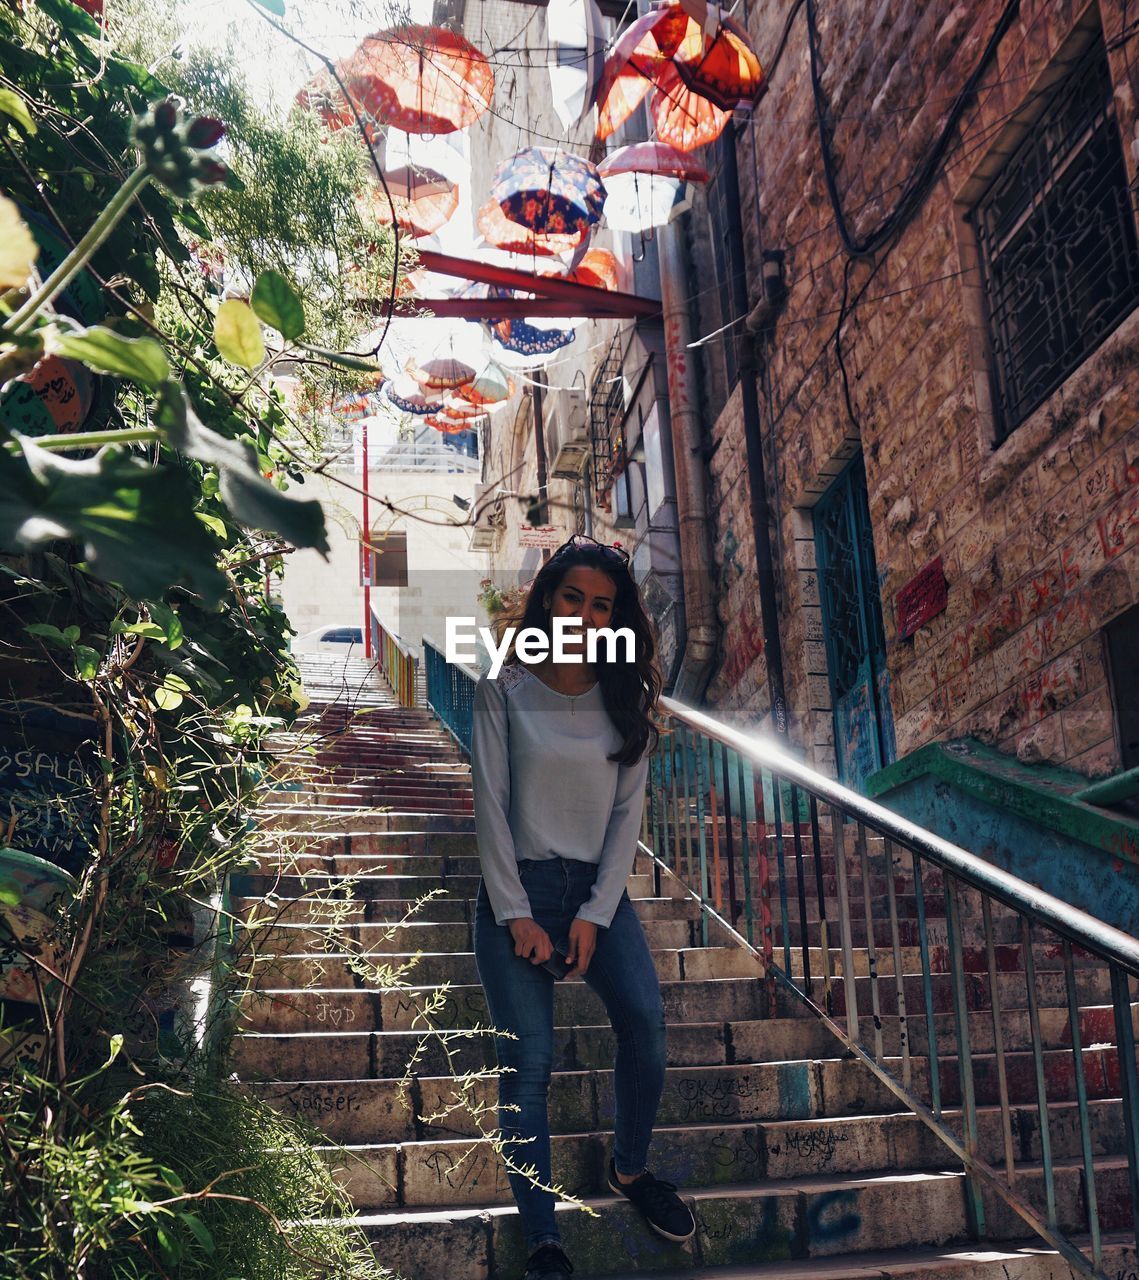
{"x": 525, "y": 340}
{"x": 549, "y": 191}
{"x": 406, "y": 394}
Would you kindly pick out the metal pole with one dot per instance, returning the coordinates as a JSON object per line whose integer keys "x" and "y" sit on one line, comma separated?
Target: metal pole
{"x": 366, "y": 521}
{"x": 757, "y": 480}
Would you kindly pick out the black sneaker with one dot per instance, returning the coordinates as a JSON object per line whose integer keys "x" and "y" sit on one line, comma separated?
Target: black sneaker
{"x": 657, "y": 1200}
{"x": 548, "y": 1262}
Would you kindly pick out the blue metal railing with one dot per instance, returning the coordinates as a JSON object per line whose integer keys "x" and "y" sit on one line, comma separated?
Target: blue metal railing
{"x": 450, "y": 692}
{"x": 888, "y": 933}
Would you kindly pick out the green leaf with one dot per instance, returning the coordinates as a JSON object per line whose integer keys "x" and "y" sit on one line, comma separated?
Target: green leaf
{"x": 11, "y": 104}
{"x": 199, "y": 1231}
{"x": 150, "y": 629}
{"x": 343, "y": 359}
{"x": 9, "y": 893}
{"x": 169, "y": 694}
{"x": 238, "y": 335}
{"x": 276, "y": 302}
{"x": 141, "y": 359}
{"x": 71, "y": 634}
{"x": 170, "y": 623}
{"x": 213, "y": 523}
{"x": 86, "y": 662}
{"x": 134, "y": 522}
{"x": 47, "y": 632}
{"x": 242, "y": 487}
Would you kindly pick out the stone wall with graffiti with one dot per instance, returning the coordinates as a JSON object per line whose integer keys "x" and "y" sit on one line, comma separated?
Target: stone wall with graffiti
{"x": 1038, "y": 534}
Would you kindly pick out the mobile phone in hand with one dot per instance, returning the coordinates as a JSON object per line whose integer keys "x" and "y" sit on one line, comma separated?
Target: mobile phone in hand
{"x": 557, "y": 964}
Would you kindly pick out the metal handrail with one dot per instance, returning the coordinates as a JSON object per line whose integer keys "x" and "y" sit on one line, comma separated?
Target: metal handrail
{"x": 727, "y": 802}
{"x": 398, "y": 663}
{"x": 1080, "y": 927}
{"x": 693, "y": 788}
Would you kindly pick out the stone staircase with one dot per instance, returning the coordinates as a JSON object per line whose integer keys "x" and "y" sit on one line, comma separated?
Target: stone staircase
{"x": 798, "y": 1161}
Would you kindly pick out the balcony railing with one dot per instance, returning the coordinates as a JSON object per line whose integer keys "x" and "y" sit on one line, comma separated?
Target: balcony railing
{"x": 399, "y": 665}
{"x": 988, "y": 1008}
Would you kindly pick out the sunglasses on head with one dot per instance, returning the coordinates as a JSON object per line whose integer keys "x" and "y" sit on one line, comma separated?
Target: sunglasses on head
{"x": 616, "y": 553}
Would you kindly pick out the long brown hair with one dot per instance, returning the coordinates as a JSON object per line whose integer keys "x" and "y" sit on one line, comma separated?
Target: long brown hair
{"x": 629, "y": 690}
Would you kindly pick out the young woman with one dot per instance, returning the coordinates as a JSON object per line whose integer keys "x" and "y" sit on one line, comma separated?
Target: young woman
{"x": 559, "y": 759}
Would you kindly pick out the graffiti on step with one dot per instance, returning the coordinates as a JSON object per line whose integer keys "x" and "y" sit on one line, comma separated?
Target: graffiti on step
{"x": 828, "y": 1220}
{"x": 469, "y": 1172}
{"x": 328, "y": 1013}
{"x": 324, "y": 1103}
{"x": 818, "y": 1146}
{"x": 448, "y": 1013}
{"x": 714, "y": 1098}
{"x": 740, "y": 1155}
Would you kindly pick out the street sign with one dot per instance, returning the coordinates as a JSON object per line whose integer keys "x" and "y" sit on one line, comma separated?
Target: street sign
{"x": 539, "y": 535}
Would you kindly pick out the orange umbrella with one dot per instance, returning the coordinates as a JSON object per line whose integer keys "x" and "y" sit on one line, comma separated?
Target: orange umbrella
{"x": 448, "y": 426}
{"x": 415, "y": 78}
{"x": 598, "y": 268}
{"x": 684, "y": 119}
{"x": 726, "y": 71}
{"x": 423, "y": 200}
{"x": 458, "y": 408}
{"x": 637, "y": 58}
{"x": 502, "y": 233}
{"x": 492, "y": 386}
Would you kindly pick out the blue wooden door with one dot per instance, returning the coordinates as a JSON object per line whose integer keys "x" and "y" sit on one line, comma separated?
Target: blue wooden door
{"x": 852, "y": 628}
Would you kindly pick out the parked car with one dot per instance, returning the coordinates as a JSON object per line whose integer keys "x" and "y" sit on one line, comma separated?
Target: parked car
{"x": 329, "y": 640}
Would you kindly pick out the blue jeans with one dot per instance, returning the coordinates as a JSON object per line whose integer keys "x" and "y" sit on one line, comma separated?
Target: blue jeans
{"x": 520, "y": 999}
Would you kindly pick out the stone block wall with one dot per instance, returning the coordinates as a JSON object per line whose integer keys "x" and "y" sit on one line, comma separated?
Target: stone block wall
{"x": 1039, "y": 535}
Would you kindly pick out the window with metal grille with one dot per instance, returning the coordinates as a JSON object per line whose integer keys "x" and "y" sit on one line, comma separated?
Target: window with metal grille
{"x": 606, "y": 419}
{"x": 1057, "y": 243}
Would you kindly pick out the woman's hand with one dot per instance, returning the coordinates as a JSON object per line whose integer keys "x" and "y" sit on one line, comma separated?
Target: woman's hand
{"x": 531, "y": 941}
{"x": 582, "y": 943}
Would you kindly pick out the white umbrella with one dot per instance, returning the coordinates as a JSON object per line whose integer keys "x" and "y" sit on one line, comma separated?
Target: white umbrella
{"x": 578, "y": 54}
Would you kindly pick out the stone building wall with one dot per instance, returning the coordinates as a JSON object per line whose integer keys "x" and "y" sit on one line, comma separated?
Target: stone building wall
{"x": 1039, "y": 536}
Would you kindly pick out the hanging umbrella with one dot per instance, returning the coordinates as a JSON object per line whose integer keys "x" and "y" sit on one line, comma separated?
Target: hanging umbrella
{"x": 577, "y": 43}
{"x": 458, "y": 408}
{"x": 549, "y": 191}
{"x": 416, "y": 78}
{"x": 423, "y": 200}
{"x": 518, "y": 338}
{"x": 405, "y": 394}
{"x": 441, "y": 373}
{"x": 492, "y": 386}
{"x": 446, "y": 425}
{"x": 684, "y": 119}
{"x": 646, "y": 185}
{"x": 599, "y": 269}
{"x": 726, "y": 70}
{"x": 636, "y": 60}
{"x": 501, "y": 233}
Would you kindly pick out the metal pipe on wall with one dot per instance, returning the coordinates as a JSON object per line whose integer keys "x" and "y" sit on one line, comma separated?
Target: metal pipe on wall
{"x": 702, "y": 629}
{"x": 753, "y": 439}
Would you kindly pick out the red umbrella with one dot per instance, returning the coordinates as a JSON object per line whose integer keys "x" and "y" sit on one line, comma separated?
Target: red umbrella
{"x": 448, "y": 426}
{"x": 652, "y": 157}
{"x": 684, "y": 119}
{"x": 423, "y": 200}
{"x": 498, "y": 230}
{"x": 457, "y": 408}
{"x": 726, "y": 71}
{"x": 636, "y": 60}
{"x": 598, "y": 269}
{"x": 410, "y": 77}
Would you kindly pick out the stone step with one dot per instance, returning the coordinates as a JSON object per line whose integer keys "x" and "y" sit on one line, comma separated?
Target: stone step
{"x": 393, "y": 926}
{"x": 811, "y": 1217}
{"x": 381, "y": 1054}
{"x": 357, "y": 969}
{"x": 462, "y": 1007}
{"x": 313, "y": 820}
{"x": 468, "y": 1172}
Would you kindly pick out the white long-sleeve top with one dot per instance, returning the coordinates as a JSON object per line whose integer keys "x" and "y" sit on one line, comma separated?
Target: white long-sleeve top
{"x": 543, "y": 788}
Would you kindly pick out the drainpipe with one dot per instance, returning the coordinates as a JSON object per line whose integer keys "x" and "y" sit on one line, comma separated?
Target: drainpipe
{"x": 540, "y": 449}
{"x": 702, "y": 631}
{"x": 757, "y": 480}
